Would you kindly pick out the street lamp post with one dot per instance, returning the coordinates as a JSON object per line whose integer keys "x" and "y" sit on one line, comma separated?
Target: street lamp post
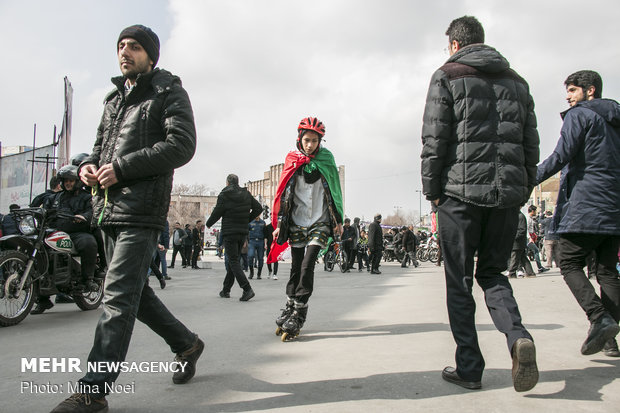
{"x": 420, "y": 192}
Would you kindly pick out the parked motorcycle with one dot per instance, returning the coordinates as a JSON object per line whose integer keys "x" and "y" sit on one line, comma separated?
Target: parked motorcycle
{"x": 43, "y": 261}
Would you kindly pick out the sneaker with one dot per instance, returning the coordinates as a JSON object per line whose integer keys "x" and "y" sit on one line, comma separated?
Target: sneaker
{"x": 162, "y": 283}
{"x": 524, "y": 369}
{"x": 247, "y": 294}
{"x": 190, "y": 357}
{"x": 275, "y": 277}
{"x": 543, "y": 269}
{"x": 42, "y": 306}
{"x": 611, "y": 348}
{"x": 601, "y": 330}
{"x": 82, "y": 403}
{"x": 167, "y": 278}
{"x": 520, "y": 274}
{"x": 258, "y": 277}
{"x": 224, "y": 294}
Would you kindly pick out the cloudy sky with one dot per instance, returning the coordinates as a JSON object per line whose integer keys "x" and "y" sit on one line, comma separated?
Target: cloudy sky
{"x": 254, "y": 68}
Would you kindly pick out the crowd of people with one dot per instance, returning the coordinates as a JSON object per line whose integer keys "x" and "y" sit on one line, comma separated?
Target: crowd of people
{"x": 480, "y": 162}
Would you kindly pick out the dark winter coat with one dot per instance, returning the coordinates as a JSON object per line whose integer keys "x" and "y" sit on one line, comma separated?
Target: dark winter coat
{"x": 479, "y": 133}
{"x": 164, "y": 236}
{"x": 520, "y": 241}
{"x": 348, "y": 236}
{"x": 145, "y": 135}
{"x": 237, "y": 207}
{"x": 589, "y": 153}
{"x": 410, "y": 241}
{"x": 76, "y": 202}
{"x": 375, "y": 236}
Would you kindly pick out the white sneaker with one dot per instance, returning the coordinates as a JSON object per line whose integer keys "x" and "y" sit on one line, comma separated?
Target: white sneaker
{"x": 275, "y": 277}
{"x": 520, "y": 274}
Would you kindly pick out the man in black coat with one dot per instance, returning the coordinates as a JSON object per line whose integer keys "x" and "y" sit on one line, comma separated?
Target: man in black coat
{"x": 587, "y": 214}
{"x": 479, "y": 156}
{"x": 518, "y": 257}
{"x": 146, "y": 131}
{"x": 237, "y": 208}
{"x": 349, "y": 242}
{"x": 375, "y": 244}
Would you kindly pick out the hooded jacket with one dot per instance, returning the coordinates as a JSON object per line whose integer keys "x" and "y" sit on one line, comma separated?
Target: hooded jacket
{"x": 480, "y": 143}
{"x": 237, "y": 208}
{"x": 588, "y": 153}
{"x": 145, "y": 135}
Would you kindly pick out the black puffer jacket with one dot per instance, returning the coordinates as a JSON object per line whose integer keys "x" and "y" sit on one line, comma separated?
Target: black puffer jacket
{"x": 145, "y": 136}
{"x": 237, "y": 208}
{"x": 76, "y": 202}
{"x": 480, "y": 140}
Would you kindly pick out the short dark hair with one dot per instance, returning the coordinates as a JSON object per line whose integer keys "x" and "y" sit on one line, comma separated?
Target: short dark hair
{"x": 465, "y": 30}
{"x": 532, "y": 208}
{"x": 13, "y": 206}
{"x": 347, "y": 220}
{"x": 232, "y": 179}
{"x": 200, "y": 220}
{"x": 54, "y": 182}
{"x": 584, "y": 79}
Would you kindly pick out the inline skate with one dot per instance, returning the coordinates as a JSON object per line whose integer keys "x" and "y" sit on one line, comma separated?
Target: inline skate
{"x": 291, "y": 327}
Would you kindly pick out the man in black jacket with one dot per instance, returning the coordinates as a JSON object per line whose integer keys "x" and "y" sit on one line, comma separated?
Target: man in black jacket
{"x": 146, "y": 131}
{"x": 237, "y": 208}
{"x": 479, "y": 156}
{"x": 375, "y": 244}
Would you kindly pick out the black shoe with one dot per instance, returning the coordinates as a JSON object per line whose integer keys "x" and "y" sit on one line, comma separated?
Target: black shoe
{"x": 524, "y": 369}
{"x": 543, "y": 269}
{"x": 250, "y": 276}
{"x": 600, "y": 332}
{"x": 42, "y": 306}
{"x": 167, "y": 278}
{"x": 190, "y": 357}
{"x": 258, "y": 277}
{"x": 185, "y": 266}
{"x": 224, "y": 294}
{"x": 611, "y": 348}
{"x": 171, "y": 266}
{"x": 360, "y": 270}
{"x": 449, "y": 374}
{"x": 82, "y": 403}
{"x": 247, "y": 294}
{"x": 62, "y": 298}
{"x": 375, "y": 272}
{"x": 162, "y": 283}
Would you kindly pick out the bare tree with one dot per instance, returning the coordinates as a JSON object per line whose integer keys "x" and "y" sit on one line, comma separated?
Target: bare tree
{"x": 193, "y": 189}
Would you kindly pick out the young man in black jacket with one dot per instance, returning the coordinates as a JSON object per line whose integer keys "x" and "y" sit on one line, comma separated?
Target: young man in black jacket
{"x": 479, "y": 156}
{"x": 131, "y": 169}
{"x": 237, "y": 208}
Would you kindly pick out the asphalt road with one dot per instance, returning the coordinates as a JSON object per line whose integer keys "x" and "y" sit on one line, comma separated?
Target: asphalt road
{"x": 371, "y": 343}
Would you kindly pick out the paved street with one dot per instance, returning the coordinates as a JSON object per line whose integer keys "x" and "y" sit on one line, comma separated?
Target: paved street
{"x": 371, "y": 344}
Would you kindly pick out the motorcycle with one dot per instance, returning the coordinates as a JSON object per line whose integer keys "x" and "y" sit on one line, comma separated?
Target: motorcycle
{"x": 43, "y": 261}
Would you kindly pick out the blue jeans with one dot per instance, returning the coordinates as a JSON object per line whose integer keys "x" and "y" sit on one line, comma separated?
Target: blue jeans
{"x": 534, "y": 248}
{"x": 256, "y": 249}
{"x": 127, "y": 296}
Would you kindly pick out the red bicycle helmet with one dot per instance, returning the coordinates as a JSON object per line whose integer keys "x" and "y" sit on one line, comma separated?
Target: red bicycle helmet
{"x": 313, "y": 124}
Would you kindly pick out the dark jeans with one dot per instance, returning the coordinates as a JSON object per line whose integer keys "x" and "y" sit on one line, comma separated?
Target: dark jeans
{"x": 463, "y": 229}
{"x": 574, "y": 248}
{"x": 129, "y": 251}
{"x": 362, "y": 259}
{"x": 518, "y": 259}
{"x": 232, "y": 246}
{"x": 160, "y": 259}
{"x": 180, "y": 249}
{"x": 301, "y": 282}
{"x": 351, "y": 252}
{"x": 534, "y": 248}
{"x": 188, "y": 255}
{"x": 256, "y": 251}
{"x": 195, "y": 254}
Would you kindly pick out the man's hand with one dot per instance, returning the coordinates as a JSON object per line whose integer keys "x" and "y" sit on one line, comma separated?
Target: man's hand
{"x": 276, "y": 232}
{"x": 161, "y": 247}
{"x": 106, "y": 176}
{"x": 78, "y": 218}
{"x": 88, "y": 174}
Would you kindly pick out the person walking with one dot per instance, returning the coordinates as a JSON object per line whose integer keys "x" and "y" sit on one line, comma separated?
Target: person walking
{"x": 268, "y": 234}
{"x": 256, "y": 246}
{"x": 178, "y": 237}
{"x": 307, "y": 210}
{"x": 188, "y": 244}
{"x": 375, "y": 244}
{"x": 587, "y": 214}
{"x": 479, "y": 156}
{"x": 198, "y": 242}
{"x": 237, "y": 208}
{"x": 130, "y": 169}
{"x": 518, "y": 258}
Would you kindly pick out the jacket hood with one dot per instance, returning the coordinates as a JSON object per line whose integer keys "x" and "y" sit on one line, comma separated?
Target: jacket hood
{"x": 482, "y": 57}
{"x": 608, "y": 109}
{"x": 160, "y": 79}
{"x": 234, "y": 193}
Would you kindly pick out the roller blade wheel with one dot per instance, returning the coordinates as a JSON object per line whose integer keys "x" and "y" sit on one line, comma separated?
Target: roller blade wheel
{"x": 279, "y": 331}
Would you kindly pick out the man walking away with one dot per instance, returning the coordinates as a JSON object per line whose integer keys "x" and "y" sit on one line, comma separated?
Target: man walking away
{"x": 375, "y": 244}
{"x": 479, "y": 156}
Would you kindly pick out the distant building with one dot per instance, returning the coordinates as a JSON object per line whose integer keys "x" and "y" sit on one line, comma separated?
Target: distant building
{"x": 264, "y": 190}
{"x": 12, "y": 150}
{"x": 187, "y": 209}
{"x": 545, "y": 195}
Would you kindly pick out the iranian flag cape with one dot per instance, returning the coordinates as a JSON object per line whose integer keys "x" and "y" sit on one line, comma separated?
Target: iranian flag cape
{"x": 324, "y": 161}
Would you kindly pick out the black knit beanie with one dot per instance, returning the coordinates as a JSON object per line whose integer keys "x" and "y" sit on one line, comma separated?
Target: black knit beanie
{"x": 146, "y": 37}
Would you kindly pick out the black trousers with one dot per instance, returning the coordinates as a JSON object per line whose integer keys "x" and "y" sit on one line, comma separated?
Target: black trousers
{"x": 232, "y": 248}
{"x": 188, "y": 255}
{"x": 86, "y": 245}
{"x": 301, "y": 282}
{"x": 574, "y": 249}
{"x": 518, "y": 259}
{"x": 195, "y": 254}
{"x": 375, "y": 258}
{"x": 463, "y": 230}
{"x": 180, "y": 249}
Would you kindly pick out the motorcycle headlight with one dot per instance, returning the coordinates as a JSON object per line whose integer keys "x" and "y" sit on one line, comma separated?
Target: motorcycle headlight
{"x": 28, "y": 225}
